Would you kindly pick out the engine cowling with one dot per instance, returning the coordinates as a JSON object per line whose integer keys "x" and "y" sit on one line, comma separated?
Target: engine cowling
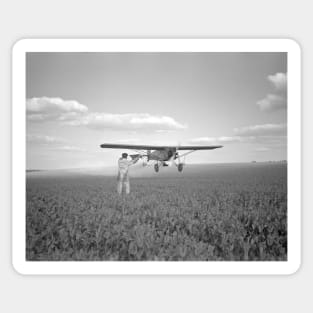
{"x": 170, "y": 154}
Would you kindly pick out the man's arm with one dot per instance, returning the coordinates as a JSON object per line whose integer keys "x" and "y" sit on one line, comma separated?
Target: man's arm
{"x": 134, "y": 160}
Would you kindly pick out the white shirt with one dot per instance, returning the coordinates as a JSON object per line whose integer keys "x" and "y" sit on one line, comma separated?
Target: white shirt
{"x": 123, "y": 165}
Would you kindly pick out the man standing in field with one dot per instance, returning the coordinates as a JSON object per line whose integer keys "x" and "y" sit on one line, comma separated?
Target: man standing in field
{"x": 123, "y": 177}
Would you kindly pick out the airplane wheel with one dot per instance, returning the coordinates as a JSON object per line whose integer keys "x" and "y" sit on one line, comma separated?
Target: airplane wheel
{"x": 156, "y": 167}
{"x": 180, "y": 167}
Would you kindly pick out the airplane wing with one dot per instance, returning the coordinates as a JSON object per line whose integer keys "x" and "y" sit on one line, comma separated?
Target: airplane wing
{"x": 198, "y": 147}
{"x": 132, "y": 147}
{"x": 152, "y": 147}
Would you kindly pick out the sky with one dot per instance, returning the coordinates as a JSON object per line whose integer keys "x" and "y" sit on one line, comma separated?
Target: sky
{"x": 77, "y": 101}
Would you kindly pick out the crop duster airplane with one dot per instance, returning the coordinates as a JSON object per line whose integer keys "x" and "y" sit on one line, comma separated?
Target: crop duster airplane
{"x": 160, "y": 155}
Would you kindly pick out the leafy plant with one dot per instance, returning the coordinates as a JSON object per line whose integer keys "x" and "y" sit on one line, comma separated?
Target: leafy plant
{"x": 228, "y": 215}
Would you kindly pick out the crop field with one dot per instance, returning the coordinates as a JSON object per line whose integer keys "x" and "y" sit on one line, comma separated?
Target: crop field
{"x": 228, "y": 212}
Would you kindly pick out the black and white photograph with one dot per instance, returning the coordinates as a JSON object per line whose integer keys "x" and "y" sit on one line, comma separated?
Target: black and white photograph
{"x": 156, "y": 156}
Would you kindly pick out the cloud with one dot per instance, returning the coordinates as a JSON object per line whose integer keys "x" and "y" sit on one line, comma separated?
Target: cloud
{"x": 129, "y": 121}
{"x": 128, "y": 140}
{"x": 278, "y": 100}
{"x": 278, "y": 141}
{"x": 272, "y": 102}
{"x": 279, "y": 80}
{"x": 69, "y": 149}
{"x": 216, "y": 140}
{"x": 268, "y": 135}
{"x": 43, "y": 139}
{"x": 73, "y": 113}
{"x": 262, "y": 149}
{"x": 45, "y": 108}
{"x": 52, "y": 143}
{"x": 262, "y": 130}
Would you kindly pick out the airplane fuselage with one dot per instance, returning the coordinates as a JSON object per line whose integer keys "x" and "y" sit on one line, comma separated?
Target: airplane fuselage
{"x": 162, "y": 155}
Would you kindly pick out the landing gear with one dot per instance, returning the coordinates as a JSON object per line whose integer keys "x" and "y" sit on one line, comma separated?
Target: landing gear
{"x": 156, "y": 167}
{"x": 180, "y": 167}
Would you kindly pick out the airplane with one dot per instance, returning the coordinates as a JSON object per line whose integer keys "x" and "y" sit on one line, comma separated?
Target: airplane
{"x": 162, "y": 155}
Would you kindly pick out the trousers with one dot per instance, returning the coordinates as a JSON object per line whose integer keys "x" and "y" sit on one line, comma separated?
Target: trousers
{"x": 123, "y": 180}
{"x": 120, "y": 187}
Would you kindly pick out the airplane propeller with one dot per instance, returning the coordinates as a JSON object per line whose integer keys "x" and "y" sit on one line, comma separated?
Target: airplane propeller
{"x": 174, "y": 156}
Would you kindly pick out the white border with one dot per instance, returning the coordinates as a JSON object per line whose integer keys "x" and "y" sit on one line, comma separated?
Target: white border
{"x": 156, "y": 45}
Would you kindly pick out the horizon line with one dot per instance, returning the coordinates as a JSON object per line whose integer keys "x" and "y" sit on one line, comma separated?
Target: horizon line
{"x": 110, "y": 166}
